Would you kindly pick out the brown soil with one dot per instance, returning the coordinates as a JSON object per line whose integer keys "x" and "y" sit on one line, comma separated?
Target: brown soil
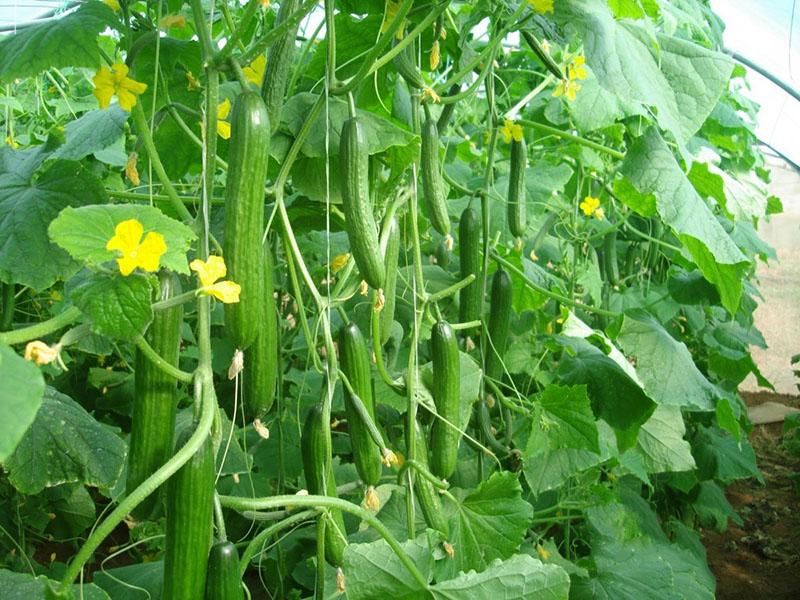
{"x": 761, "y": 559}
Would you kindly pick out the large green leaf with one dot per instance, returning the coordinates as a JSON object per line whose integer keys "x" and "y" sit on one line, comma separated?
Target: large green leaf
{"x": 743, "y": 198}
{"x": 664, "y": 365}
{"x": 682, "y": 80}
{"x": 720, "y": 456}
{"x": 84, "y": 232}
{"x": 488, "y": 523}
{"x": 661, "y": 445}
{"x": 520, "y": 577}
{"x": 652, "y": 169}
{"x": 94, "y": 131}
{"x": 142, "y": 581}
{"x": 20, "y": 398}
{"x": 22, "y": 586}
{"x": 28, "y": 202}
{"x": 68, "y": 41}
{"x": 119, "y": 307}
{"x": 65, "y": 445}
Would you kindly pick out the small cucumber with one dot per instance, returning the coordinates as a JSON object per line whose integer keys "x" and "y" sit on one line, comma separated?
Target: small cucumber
{"x": 261, "y": 359}
{"x": 425, "y": 491}
{"x": 447, "y": 398}
{"x": 432, "y": 182}
{"x": 469, "y": 242}
{"x": 362, "y": 232}
{"x": 499, "y": 323}
{"x": 315, "y": 446}
{"x": 516, "y": 188}
{"x": 279, "y": 64}
{"x": 390, "y": 284}
{"x": 190, "y": 496}
{"x": 406, "y": 64}
{"x": 355, "y": 363}
{"x": 155, "y": 399}
{"x": 223, "y": 581}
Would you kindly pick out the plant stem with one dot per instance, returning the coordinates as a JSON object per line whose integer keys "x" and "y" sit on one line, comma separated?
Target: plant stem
{"x": 157, "y": 360}
{"x": 268, "y": 532}
{"x": 264, "y": 41}
{"x": 582, "y": 141}
{"x": 241, "y": 504}
{"x": 175, "y": 300}
{"x": 452, "y": 289}
{"x": 9, "y": 302}
{"x": 173, "y": 112}
{"x": 39, "y": 330}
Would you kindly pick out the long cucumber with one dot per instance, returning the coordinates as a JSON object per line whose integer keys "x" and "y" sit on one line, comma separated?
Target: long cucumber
{"x": 432, "y": 180}
{"x": 469, "y": 241}
{"x": 445, "y": 438}
{"x": 499, "y": 323}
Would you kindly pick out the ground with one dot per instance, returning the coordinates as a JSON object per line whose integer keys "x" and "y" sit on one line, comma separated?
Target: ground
{"x": 761, "y": 559}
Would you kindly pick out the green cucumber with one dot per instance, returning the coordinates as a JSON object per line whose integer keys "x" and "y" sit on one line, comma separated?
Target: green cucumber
{"x": 355, "y": 363}
{"x": 516, "y": 188}
{"x": 190, "y": 496}
{"x": 406, "y": 64}
{"x": 244, "y": 214}
{"x": 425, "y": 491}
{"x": 447, "y": 398}
{"x": 610, "y": 257}
{"x": 261, "y": 358}
{"x": 442, "y": 255}
{"x": 155, "y": 399}
{"x": 315, "y": 447}
{"x": 362, "y": 232}
{"x": 448, "y": 109}
{"x": 432, "y": 181}
{"x": 499, "y": 323}
{"x": 390, "y": 284}
{"x": 469, "y": 242}
{"x": 223, "y": 581}
{"x": 279, "y": 64}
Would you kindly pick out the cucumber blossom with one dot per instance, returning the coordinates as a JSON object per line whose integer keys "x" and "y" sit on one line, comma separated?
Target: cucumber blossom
{"x": 362, "y": 232}
{"x": 355, "y": 363}
{"x": 432, "y": 182}
{"x": 469, "y": 242}
{"x": 516, "y": 188}
{"x": 499, "y": 323}
{"x": 244, "y": 214}
{"x": 445, "y": 436}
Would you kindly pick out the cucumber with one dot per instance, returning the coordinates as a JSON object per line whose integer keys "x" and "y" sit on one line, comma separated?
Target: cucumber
{"x": 425, "y": 491}
{"x": 448, "y": 109}
{"x": 406, "y": 64}
{"x": 469, "y": 241}
{"x": 610, "y": 257}
{"x": 355, "y": 364}
{"x": 446, "y": 396}
{"x": 279, "y": 64}
{"x": 261, "y": 358}
{"x": 155, "y": 399}
{"x": 362, "y": 232}
{"x": 442, "y": 255}
{"x": 223, "y": 581}
{"x": 190, "y": 495}
{"x": 244, "y": 214}
{"x": 516, "y": 188}
{"x": 499, "y": 322}
{"x": 315, "y": 446}
{"x": 432, "y": 182}
{"x": 390, "y": 284}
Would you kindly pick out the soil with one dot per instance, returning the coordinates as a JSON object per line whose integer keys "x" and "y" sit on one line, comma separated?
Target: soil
{"x": 761, "y": 559}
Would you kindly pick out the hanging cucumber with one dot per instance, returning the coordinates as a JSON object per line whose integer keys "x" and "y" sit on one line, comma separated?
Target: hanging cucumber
{"x": 445, "y": 438}
{"x": 448, "y": 109}
{"x": 469, "y": 241}
{"x": 390, "y": 284}
{"x": 516, "y": 188}
{"x": 499, "y": 322}
{"x": 610, "y": 257}
{"x": 244, "y": 214}
{"x": 190, "y": 495}
{"x": 261, "y": 358}
{"x": 425, "y": 491}
{"x": 315, "y": 446}
{"x": 155, "y": 399}
{"x": 360, "y": 222}
{"x": 406, "y": 64}
{"x": 279, "y": 64}
{"x": 355, "y": 364}
{"x": 223, "y": 581}
{"x": 432, "y": 182}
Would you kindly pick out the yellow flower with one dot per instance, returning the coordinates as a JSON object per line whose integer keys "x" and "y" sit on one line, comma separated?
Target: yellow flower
{"x": 131, "y": 172}
{"x": 568, "y": 88}
{"x": 599, "y": 214}
{"x": 112, "y": 4}
{"x": 576, "y": 68}
{"x": 254, "y": 72}
{"x": 169, "y": 21}
{"x": 209, "y": 272}
{"x": 338, "y": 262}
{"x": 545, "y": 46}
{"x": 435, "y": 55}
{"x": 391, "y": 12}
{"x": 449, "y": 549}
{"x": 542, "y": 6}
{"x": 511, "y": 130}
{"x": 223, "y": 127}
{"x": 115, "y": 82}
{"x": 40, "y": 353}
{"x": 191, "y": 82}
{"x": 429, "y": 92}
{"x": 542, "y": 552}
{"x": 589, "y": 205}
{"x": 135, "y": 252}
{"x": 371, "y": 500}
{"x": 12, "y": 142}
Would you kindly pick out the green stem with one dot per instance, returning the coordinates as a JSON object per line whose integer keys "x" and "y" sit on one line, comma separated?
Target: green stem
{"x": 274, "y": 34}
{"x": 266, "y": 533}
{"x": 39, "y": 330}
{"x": 219, "y": 519}
{"x": 173, "y": 112}
{"x": 201, "y": 27}
{"x": 378, "y": 351}
{"x": 452, "y": 289}
{"x": 146, "y": 198}
{"x": 652, "y": 239}
{"x": 9, "y": 302}
{"x": 358, "y": 404}
{"x": 319, "y": 588}
{"x": 143, "y": 129}
{"x": 157, "y": 360}
{"x": 175, "y": 300}
{"x": 241, "y": 504}
{"x": 582, "y": 141}
{"x": 423, "y": 472}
